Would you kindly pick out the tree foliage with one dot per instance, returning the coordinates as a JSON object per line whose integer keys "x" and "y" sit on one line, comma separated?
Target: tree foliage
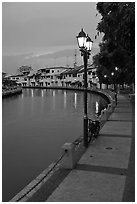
{"x": 117, "y": 48}
{"x": 24, "y": 69}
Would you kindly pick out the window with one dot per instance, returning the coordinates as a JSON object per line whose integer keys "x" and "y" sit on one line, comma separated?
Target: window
{"x": 52, "y": 71}
{"x": 93, "y": 73}
{"x": 75, "y": 75}
{"x": 47, "y": 71}
{"x": 69, "y": 75}
{"x": 51, "y": 77}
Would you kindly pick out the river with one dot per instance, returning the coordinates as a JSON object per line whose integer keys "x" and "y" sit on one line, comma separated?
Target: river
{"x": 35, "y": 124}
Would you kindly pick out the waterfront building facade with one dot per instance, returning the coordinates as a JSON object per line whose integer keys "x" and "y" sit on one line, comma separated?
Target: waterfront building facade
{"x": 57, "y": 76}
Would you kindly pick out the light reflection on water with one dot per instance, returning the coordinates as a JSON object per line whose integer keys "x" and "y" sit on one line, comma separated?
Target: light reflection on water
{"x": 35, "y": 125}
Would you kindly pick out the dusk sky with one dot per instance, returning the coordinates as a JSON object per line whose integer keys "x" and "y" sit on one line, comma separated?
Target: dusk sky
{"x": 44, "y": 34}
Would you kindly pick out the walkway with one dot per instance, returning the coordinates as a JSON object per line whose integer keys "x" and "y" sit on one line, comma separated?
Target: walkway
{"x": 105, "y": 173}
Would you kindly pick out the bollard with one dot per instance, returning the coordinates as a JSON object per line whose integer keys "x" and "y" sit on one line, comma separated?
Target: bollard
{"x": 110, "y": 107}
{"x": 113, "y": 104}
{"x": 68, "y": 160}
{"x": 107, "y": 114}
{"x": 72, "y": 155}
{"x": 103, "y": 115}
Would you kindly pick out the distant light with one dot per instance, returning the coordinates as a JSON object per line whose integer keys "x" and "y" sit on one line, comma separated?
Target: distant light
{"x": 116, "y": 68}
{"x": 112, "y": 73}
{"x": 105, "y": 76}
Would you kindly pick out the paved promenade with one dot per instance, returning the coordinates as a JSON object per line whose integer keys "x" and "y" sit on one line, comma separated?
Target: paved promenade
{"x": 105, "y": 173}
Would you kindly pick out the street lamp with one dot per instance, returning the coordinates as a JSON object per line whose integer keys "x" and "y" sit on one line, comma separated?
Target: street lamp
{"x": 85, "y": 46}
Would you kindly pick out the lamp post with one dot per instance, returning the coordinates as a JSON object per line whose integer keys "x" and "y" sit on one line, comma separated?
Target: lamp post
{"x": 85, "y": 45}
{"x": 106, "y": 80}
{"x": 113, "y": 79}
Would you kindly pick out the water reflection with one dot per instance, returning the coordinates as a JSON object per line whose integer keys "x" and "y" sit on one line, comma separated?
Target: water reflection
{"x": 75, "y": 100}
{"x": 65, "y": 99}
{"x": 53, "y": 94}
{"x": 97, "y": 107}
{"x": 32, "y": 93}
{"x": 42, "y": 93}
{"x": 44, "y": 121}
{"x": 22, "y": 95}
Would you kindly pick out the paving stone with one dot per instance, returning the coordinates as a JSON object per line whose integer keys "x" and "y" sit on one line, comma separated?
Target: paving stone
{"x": 84, "y": 186}
{"x": 121, "y": 116}
{"x": 108, "y": 152}
{"x": 117, "y": 127}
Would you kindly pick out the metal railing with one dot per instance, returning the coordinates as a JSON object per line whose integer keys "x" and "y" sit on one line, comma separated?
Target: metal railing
{"x": 93, "y": 129}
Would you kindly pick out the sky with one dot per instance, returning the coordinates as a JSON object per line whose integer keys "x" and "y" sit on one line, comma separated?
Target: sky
{"x": 42, "y": 34}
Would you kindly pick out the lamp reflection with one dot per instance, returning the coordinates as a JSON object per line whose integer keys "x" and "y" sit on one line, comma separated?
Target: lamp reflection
{"x": 97, "y": 107}
{"x": 75, "y": 100}
{"x": 53, "y": 94}
{"x": 32, "y": 93}
{"x": 65, "y": 99}
{"x": 22, "y": 95}
{"x": 42, "y": 93}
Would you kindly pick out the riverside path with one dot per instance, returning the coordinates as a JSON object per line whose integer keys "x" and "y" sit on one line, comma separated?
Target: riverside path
{"x": 106, "y": 171}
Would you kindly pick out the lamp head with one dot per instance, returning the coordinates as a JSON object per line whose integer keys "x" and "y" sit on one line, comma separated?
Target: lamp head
{"x": 89, "y": 43}
{"x": 81, "y": 38}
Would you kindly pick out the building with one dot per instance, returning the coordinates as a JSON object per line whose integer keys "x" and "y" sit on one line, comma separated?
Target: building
{"x": 50, "y": 76}
{"x": 57, "y": 76}
{"x": 75, "y": 76}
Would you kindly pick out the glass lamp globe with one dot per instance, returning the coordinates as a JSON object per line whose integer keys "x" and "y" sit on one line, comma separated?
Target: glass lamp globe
{"x": 81, "y": 38}
{"x": 89, "y": 43}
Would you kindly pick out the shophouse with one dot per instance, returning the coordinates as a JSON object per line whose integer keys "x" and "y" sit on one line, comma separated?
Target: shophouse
{"x": 50, "y": 76}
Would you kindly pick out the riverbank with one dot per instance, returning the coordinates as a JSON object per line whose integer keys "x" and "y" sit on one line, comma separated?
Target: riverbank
{"x": 11, "y": 91}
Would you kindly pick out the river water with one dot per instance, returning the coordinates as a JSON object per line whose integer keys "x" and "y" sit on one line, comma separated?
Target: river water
{"x": 35, "y": 125}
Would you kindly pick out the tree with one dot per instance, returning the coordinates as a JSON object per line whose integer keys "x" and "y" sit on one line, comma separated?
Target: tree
{"x": 24, "y": 69}
{"x": 117, "y": 48}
